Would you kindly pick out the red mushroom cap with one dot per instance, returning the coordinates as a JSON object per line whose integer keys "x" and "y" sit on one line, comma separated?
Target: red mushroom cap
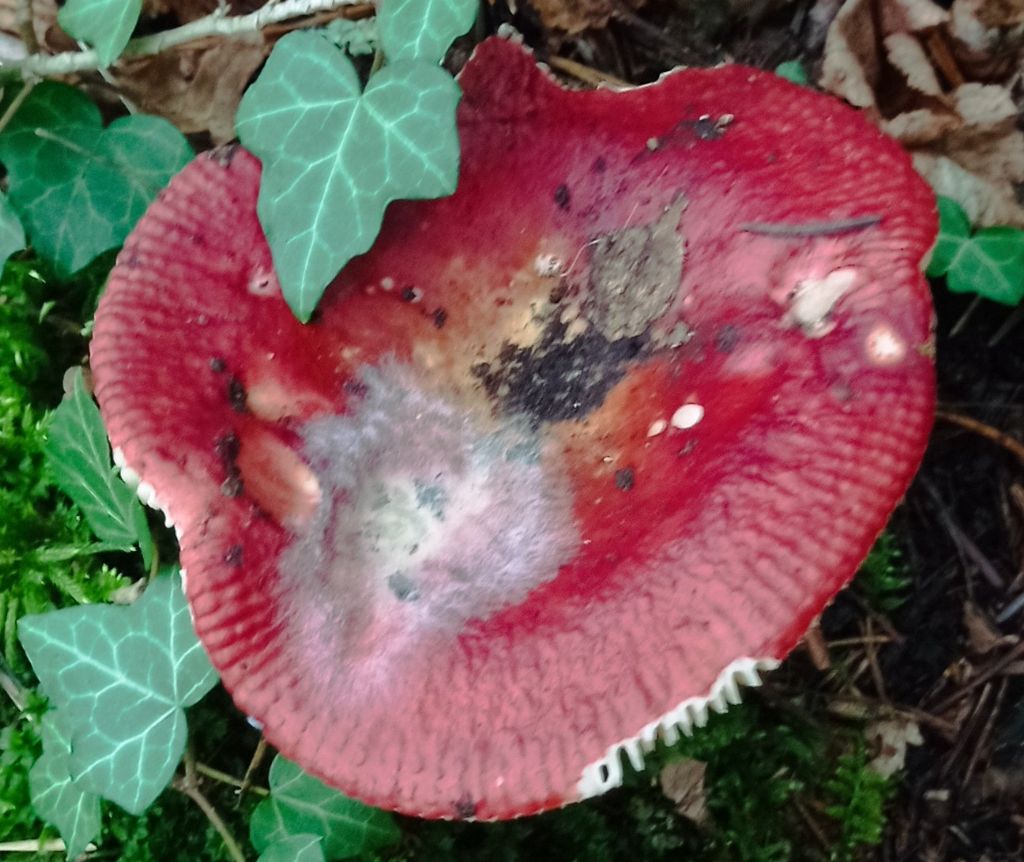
{"x": 563, "y": 459}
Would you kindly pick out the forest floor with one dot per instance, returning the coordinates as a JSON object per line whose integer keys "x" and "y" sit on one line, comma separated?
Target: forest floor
{"x": 896, "y": 732}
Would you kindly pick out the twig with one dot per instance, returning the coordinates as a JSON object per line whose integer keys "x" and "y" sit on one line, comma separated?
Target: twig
{"x": 254, "y": 763}
{"x": 811, "y": 228}
{"x": 986, "y": 732}
{"x": 871, "y": 652}
{"x": 962, "y": 322}
{"x": 189, "y": 785}
{"x": 17, "y": 101}
{"x": 12, "y": 686}
{"x": 217, "y": 23}
{"x": 26, "y": 27}
{"x": 964, "y": 542}
{"x": 1009, "y": 443}
{"x": 586, "y": 74}
{"x": 224, "y": 778}
{"x": 982, "y": 678}
{"x": 817, "y": 648}
{"x": 36, "y": 845}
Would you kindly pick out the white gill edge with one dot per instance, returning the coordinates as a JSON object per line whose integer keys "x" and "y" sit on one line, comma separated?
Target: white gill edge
{"x": 147, "y": 494}
{"x": 605, "y": 773}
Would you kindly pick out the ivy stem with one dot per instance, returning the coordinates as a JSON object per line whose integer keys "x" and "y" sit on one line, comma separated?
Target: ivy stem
{"x": 17, "y": 102}
{"x": 189, "y": 785}
{"x": 254, "y": 763}
{"x": 217, "y": 23}
{"x": 224, "y": 778}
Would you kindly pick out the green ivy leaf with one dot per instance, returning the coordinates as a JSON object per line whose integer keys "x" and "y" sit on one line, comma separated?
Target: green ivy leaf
{"x": 121, "y": 678}
{"x": 301, "y": 805}
{"x": 12, "y": 234}
{"x": 954, "y": 231}
{"x": 80, "y": 188}
{"x": 423, "y": 29}
{"x": 298, "y": 848}
{"x": 989, "y": 263}
{"x": 105, "y": 25}
{"x": 334, "y": 158}
{"x": 56, "y": 797}
{"x": 792, "y": 70}
{"x": 79, "y": 455}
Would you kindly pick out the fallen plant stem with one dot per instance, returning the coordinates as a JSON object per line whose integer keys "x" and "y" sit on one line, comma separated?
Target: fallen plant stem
{"x": 982, "y": 678}
{"x": 188, "y": 784}
{"x": 33, "y": 845}
{"x": 1009, "y": 443}
{"x": 218, "y": 23}
{"x": 17, "y": 101}
{"x": 586, "y": 73}
{"x": 225, "y": 778}
{"x": 254, "y": 764}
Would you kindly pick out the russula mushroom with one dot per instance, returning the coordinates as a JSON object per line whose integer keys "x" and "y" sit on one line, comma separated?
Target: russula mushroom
{"x": 434, "y": 542}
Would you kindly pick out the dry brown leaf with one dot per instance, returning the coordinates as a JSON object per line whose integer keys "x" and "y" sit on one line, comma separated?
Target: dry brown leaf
{"x": 575, "y": 16}
{"x": 682, "y": 781}
{"x": 196, "y": 88}
{"x": 906, "y": 53}
{"x": 44, "y": 21}
{"x": 917, "y": 71}
{"x": 888, "y": 741}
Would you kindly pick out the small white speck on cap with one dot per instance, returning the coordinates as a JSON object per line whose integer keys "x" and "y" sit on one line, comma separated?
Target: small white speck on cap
{"x": 657, "y": 428}
{"x": 547, "y": 265}
{"x": 885, "y": 347}
{"x": 387, "y": 283}
{"x": 687, "y": 416}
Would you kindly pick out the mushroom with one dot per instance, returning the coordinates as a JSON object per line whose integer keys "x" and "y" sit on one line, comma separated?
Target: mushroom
{"x": 434, "y": 543}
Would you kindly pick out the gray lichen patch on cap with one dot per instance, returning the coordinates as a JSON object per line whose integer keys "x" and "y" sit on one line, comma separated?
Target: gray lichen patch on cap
{"x": 635, "y": 274}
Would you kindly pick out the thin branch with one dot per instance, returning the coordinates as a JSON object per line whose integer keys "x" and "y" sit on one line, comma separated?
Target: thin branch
{"x": 224, "y": 778}
{"x": 1003, "y": 439}
{"x": 189, "y": 785}
{"x": 254, "y": 763}
{"x": 218, "y": 23}
{"x": 16, "y": 102}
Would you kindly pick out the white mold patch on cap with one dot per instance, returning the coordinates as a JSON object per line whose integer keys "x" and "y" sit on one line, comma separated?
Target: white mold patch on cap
{"x": 813, "y": 299}
{"x": 145, "y": 492}
{"x": 605, "y": 773}
{"x": 431, "y": 517}
{"x": 884, "y": 346}
{"x": 687, "y": 416}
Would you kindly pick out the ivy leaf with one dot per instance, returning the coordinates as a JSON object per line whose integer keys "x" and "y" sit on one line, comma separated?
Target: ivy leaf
{"x": 105, "y": 25}
{"x": 301, "y": 805}
{"x": 298, "y": 848}
{"x": 56, "y": 797}
{"x": 121, "y": 678}
{"x": 334, "y": 157}
{"x": 79, "y": 455}
{"x": 989, "y": 262}
{"x": 954, "y": 231}
{"x": 423, "y": 29}
{"x": 80, "y": 188}
{"x": 793, "y": 70}
{"x": 12, "y": 234}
